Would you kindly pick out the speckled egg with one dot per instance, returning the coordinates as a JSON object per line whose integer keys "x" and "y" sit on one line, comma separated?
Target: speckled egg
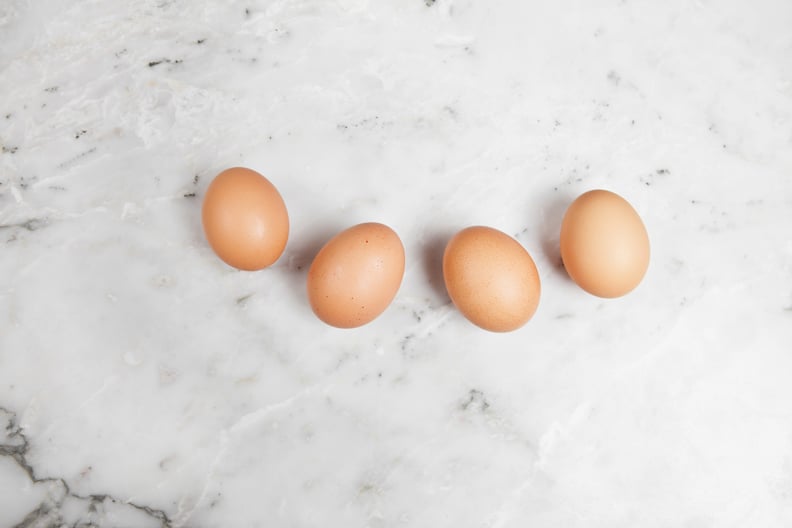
{"x": 491, "y": 279}
{"x": 356, "y": 275}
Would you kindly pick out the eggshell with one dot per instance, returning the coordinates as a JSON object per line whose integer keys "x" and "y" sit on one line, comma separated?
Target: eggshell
{"x": 491, "y": 279}
{"x": 604, "y": 244}
{"x": 245, "y": 219}
{"x": 356, "y": 275}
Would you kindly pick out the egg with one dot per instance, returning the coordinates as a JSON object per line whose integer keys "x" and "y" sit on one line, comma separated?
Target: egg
{"x": 245, "y": 219}
{"x": 491, "y": 279}
{"x": 356, "y": 275}
{"x": 604, "y": 244}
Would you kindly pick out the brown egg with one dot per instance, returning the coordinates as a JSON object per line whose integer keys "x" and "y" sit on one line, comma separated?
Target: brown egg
{"x": 604, "y": 244}
{"x": 491, "y": 279}
{"x": 356, "y": 275}
{"x": 245, "y": 219}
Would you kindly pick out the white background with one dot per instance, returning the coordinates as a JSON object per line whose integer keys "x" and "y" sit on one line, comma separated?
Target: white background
{"x": 138, "y": 368}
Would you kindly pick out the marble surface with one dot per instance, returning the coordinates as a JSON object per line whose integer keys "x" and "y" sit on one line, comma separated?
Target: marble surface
{"x": 143, "y": 383}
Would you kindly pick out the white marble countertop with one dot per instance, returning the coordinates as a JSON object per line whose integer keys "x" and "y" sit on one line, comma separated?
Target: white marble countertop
{"x": 143, "y": 383}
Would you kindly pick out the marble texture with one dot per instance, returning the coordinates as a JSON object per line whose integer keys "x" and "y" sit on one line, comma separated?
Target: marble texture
{"x": 143, "y": 383}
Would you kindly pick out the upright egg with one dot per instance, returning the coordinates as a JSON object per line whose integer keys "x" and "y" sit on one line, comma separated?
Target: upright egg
{"x": 356, "y": 275}
{"x": 604, "y": 244}
{"x": 491, "y": 279}
{"x": 245, "y": 219}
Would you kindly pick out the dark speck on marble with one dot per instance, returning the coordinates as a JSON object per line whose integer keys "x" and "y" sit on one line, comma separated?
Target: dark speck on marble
{"x": 650, "y": 178}
{"x": 200, "y": 41}
{"x": 366, "y": 123}
{"x": 152, "y": 64}
{"x": 189, "y": 195}
{"x": 241, "y": 301}
{"x": 33, "y": 224}
{"x": 475, "y": 401}
{"x": 51, "y": 89}
{"x": 215, "y": 501}
{"x": 77, "y": 157}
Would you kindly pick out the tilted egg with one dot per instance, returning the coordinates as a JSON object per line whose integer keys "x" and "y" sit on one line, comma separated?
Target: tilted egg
{"x": 356, "y": 275}
{"x": 245, "y": 219}
{"x": 604, "y": 244}
{"x": 491, "y": 279}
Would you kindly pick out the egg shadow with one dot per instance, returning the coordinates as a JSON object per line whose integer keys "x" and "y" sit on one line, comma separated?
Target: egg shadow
{"x": 300, "y": 254}
{"x": 189, "y": 202}
{"x": 432, "y": 256}
{"x": 550, "y": 231}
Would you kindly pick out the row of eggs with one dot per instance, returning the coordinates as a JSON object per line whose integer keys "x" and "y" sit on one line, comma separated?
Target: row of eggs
{"x": 489, "y": 276}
